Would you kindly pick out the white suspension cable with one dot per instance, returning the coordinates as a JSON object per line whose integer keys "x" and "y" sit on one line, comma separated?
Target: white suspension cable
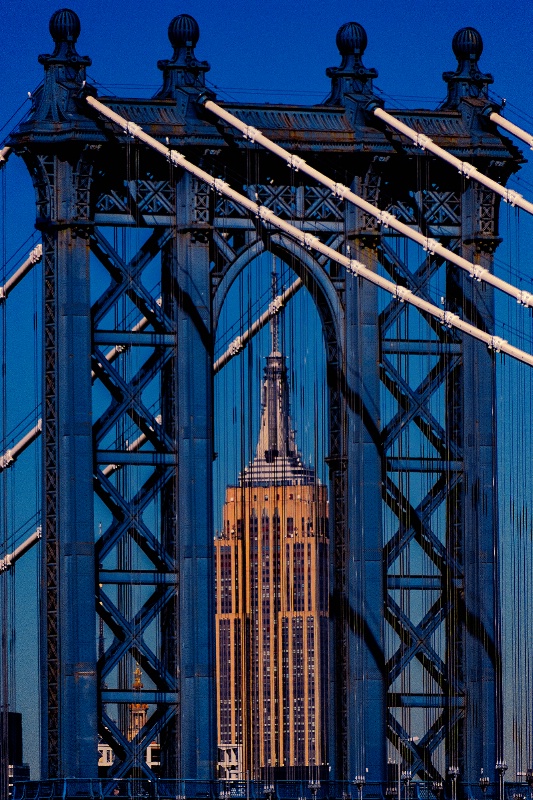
{"x": 388, "y": 220}
{"x": 308, "y": 240}
{"x": 11, "y": 455}
{"x": 134, "y": 447}
{"x": 274, "y": 308}
{"x": 34, "y": 257}
{"x": 514, "y": 129}
{"x": 5, "y": 152}
{"x": 121, "y": 348}
{"x": 464, "y": 167}
{"x": 7, "y": 562}
{"x": 8, "y": 458}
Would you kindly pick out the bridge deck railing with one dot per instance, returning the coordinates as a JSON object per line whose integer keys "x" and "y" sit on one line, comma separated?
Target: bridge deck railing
{"x": 169, "y": 789}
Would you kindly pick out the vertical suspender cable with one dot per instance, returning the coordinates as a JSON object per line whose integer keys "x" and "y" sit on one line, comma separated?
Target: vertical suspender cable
{"x": 4, "y": 579}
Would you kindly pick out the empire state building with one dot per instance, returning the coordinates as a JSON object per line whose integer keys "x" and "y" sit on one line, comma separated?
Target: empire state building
{"x": 271, "y": 562}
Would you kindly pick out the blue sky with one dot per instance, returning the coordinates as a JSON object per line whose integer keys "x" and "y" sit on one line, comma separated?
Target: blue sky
{"x": 275, "y": 51}
{"x": 276, "y": 45}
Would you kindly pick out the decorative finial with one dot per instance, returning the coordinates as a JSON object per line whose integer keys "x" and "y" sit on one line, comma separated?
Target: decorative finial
{"x": 64, "y": 70}
{"x": 183, "y": 31}
{"x": 352, "y": 77}
{"x": 467, "y": 80}
{"x": 467, "y": 44}
{"x": 183, "y": 69}
{"x": 351, "y": 39}
{"x": 64, "y": 26}
{"x": 65, "y": 29}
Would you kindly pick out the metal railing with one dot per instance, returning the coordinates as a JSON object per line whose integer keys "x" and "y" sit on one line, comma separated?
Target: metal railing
{"x": 169, "y": 789}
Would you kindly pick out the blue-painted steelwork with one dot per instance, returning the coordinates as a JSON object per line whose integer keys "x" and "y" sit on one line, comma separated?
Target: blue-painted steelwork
{"x": 69, "y": 687}
{"x": 189, "y": 511}
{"x": 387, "y": 367}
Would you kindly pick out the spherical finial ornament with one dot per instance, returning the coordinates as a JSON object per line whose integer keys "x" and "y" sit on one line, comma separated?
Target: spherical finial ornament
{"x": 183, "y": 31}
{"x": 467, "y": 44}
{"x": 351, "y": 39}
{"x": 65, "y": 26}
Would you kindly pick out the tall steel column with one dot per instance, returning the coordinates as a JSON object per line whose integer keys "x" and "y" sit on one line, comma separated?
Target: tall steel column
{"x": 68, "y": 576}
{"x": 186, "y": 270}
{"x": 472, "y": 413}
{"x": 365, "y": 689}
{"x": 439, "y": 458}
{"x": 143, "y": 438}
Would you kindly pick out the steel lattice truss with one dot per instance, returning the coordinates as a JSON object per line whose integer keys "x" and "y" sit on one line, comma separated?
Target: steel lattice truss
{"x": 135, "y": 526}
{"x": 416, "y": 522}
{"x": 424, "y": 486}
{"x": 236, "y": 241}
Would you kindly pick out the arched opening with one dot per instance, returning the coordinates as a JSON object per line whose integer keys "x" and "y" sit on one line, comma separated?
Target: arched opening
{"x": 272, "y": 534}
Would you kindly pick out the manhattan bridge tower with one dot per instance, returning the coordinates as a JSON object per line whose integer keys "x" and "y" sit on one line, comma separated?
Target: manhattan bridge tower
{"x": 139, "y": 254}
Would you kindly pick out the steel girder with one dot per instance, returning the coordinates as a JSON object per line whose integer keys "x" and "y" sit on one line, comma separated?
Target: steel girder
{"x": 132, "y": 539}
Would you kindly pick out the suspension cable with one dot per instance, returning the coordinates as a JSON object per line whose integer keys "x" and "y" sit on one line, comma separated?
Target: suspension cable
{"x": 8, "y": 458}
{"x": 34, "y": 257}
{"x": 5, "y": 152}
{"x": 514, "y": 129}
{"x": 388, "y": 220}
{"x": 240, "y": 342}
{"x": 464, "y": 167}
{"x": 9, "y": 560}
{"x": 267, "y": 216}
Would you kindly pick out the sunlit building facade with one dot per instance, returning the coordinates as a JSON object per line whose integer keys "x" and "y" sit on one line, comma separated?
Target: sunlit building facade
{"x": 272, "y": 604}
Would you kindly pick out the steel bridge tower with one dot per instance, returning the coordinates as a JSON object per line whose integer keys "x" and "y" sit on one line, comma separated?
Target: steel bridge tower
{"x": 128, "y": 410}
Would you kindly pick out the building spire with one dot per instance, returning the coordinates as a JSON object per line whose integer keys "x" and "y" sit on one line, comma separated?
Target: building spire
{"x": 277, "y": 460}
{"x": 138, "y": 711}
{"x": 274, "y": 320}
